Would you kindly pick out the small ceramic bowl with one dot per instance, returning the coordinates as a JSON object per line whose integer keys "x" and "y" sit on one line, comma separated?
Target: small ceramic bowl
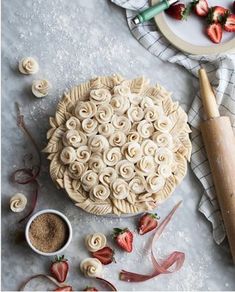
{"x": 66, "y": 220}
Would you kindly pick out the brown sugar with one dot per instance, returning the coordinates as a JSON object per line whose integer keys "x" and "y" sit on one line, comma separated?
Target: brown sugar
{"x": 48, "y": 232}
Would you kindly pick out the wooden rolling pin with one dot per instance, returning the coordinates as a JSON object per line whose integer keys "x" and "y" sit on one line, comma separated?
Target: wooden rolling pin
{"x": 219, "y": 141}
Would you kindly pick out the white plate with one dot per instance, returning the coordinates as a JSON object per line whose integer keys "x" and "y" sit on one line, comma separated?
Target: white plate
{"x": 189, "y": 35}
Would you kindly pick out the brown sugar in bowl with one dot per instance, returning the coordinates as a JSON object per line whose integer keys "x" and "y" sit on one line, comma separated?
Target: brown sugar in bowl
{"x": 48, "y": 232}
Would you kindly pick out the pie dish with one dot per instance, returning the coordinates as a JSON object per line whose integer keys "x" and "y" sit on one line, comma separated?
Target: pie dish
{"x": 118, "y": 146}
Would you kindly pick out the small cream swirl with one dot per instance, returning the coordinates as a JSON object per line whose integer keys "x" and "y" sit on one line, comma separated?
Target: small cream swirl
{"x": 148, "y": 147}
{"x": 163, "y": 139}
{"x": 120, "y": 189}
{"x": 90, "y": 126}
{"x": 98, "y": 143}
{"x": 146, "y": 102}
{"x": 132, "y": 151}
{"x": 145, "y": 166}
{"x": 73, "y": 124}
{"x": 28, "y": 66}
{"x": 135, "y": 99}
{"x": 68, "y": 155}
{"x": 120, "y": 104}
{"x": 136, "y": 185}
{"x": 154, "y": 183}
{"x": 121, "y": 123}
{"x": 135, "y": 113}
{"x": 85, "y": 109}
{"x": 89, "y": 179}
{"x": 74, "y": 138}
{"x": 118, "y": 138}
{"x": 121, "y": 90}
{"x": 100, "y": 96}
{"x": 134, "y": 136}
{"x": 96, "y": 162}
{"x": 41, "y": 88}
{"x": 76, "y": 169}
{"x": 91, "y": 267}
{"x": 106, "y": 129}
{"x": 165, "y": 170}
{"x": 95, "y": 241}
{"x": 99, "y": 192}
{"x": 104, "y": 113}
{"x": 107, "y": 176}
{"x": 145, "y": 129}
{"x": 18, "y": 202}
{"x": 153, "y": 113}
{"x": 83, "y": 153}
{"x": 125, "y": 169}
{"x": 163, "y": 124}
{"x": 164, "y": 156}
{"x": 112, "y": 156}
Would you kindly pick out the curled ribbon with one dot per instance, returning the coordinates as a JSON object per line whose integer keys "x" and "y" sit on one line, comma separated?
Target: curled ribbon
{"x": 175, "y": 258}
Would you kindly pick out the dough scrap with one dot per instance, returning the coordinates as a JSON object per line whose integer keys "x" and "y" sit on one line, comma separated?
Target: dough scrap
{"x": 18, "y": 202}
{"x": 118, "y": 146}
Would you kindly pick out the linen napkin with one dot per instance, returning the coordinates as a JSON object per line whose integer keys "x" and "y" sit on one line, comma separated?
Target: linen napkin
{"x": 221, "y": 72}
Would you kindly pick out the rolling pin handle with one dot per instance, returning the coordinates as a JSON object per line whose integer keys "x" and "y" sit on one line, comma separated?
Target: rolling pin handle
{"x": 207, "y": 96}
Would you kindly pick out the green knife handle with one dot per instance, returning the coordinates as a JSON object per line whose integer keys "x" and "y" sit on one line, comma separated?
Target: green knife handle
{"x": 153, "y": 10}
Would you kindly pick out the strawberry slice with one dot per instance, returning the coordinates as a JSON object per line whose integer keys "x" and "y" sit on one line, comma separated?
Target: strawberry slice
{"x": 65, "y": 288}
{"x": 124, "y": 238}
{"x": 217, "y": 14}
{"x": 214, "y": 31}
{"x": 201, "y": 7}
{"x": 147, "y": 223}
{"x": 105, "y": 255}
{"x": 229, "y": 24}
{"x": 91, "y": 289}
{"x": 59, "y": 269}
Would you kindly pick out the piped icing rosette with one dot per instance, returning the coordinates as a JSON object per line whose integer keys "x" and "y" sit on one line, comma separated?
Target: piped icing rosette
{"x": 118, "y": 146}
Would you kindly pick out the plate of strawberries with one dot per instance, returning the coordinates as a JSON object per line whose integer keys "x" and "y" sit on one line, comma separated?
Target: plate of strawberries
{"x": 199, "y": 26}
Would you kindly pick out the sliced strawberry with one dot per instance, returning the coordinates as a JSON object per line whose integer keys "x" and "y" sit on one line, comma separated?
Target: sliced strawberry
{"x": 124, "y": 238}
{"x": 201, "y": 7}
{"x": 91, "y": 289}
{"x": 59, "y": 269}
{"x": 65, "y": 288}
{"x": 229, "y": 24}
{"x": 214, "y": 31}
{"x": 176, "y": 11}
{"x": 147, "y": 223}
{"x": 217, "y": 14}
{"x": 105, "y": 255}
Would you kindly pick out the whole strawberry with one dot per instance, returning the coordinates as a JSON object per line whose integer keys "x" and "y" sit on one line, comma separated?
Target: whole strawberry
{"x": 59, "y": 268}
{"x": 91, "y": 289}
{"x": 105, "y": 255}
{"x": 177, "y": 11}
{"x": 147, "y": 223}
{"x": 65, "y": 288}
{"x": 124, "y": 238}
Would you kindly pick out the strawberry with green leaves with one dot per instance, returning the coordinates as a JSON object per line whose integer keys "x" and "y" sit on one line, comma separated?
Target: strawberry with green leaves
{"x": 147, "y": 223}
{"x": 124, "y": 238}
{"x": 59, "y": 268}
{"x": 217, "y": 14}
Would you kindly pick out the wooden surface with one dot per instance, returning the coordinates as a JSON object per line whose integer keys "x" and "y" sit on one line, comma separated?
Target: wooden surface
{"x": 219, "y": 141}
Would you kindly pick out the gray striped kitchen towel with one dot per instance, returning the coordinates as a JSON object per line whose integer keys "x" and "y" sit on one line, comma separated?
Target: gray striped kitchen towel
{"x": 221, "y": 72}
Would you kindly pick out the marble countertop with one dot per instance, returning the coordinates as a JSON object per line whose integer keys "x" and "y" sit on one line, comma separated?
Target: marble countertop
{"x": 74, "y": 41}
